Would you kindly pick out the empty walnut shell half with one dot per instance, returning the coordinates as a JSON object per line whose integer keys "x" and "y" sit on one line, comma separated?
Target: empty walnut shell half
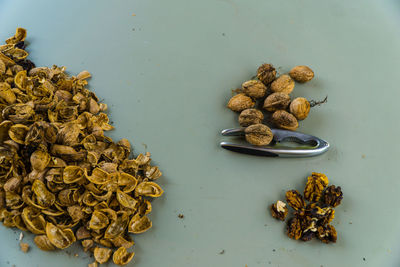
{"x": 139, "y": 224}
{"x": 122, "y": 256}
{"x": 43, "y": 242}
{"x": 102, "y": 255}
{"x": 59, "y": 238}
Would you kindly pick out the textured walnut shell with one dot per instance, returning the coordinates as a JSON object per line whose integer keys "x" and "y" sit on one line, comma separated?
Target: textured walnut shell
{"x": 240, "y": 102}
{"x": 44, "y": 197}
{"x": 284, "y": 120}
{"x": 139, "y": 224}
{"x": 125, "y": 200}
{"x": 250, "y": 116}
{"x": 276, "y": 101}
{"x": 59, "y": 238}
{"x": 122, "y": 256}
{"x": 283, "y": 84}
{"x": 300, "y": 107}
{"x": 12, "y": 184}
{"x": 6, "y": 60}
{"x": 102, "y": 255}
{"x": 99, "y": 176}
{"x": 19, "y": 36}
{"x": 121, "y": 241}
{"x": 153, "y": 172}
{"x": 73, "y": 174}
{"x": 98, "y": 221}
{"x": 301, "y": 74}
{"x": 43, "y": 242}
{"x": 117, "y": 227}
{"x": 34, "y": 222}
{"x": 149, "y": 189}
{"x": 254, "y": 89}
{"x": 39, "y": 160}
{"x": 2, "y": 67}
{"x": 18, "y": 133}
{"x": 258, "y": 134}
{"x": 7, "y": 96}
{"x": 266, "y": 73}
{"x": 87, "y": 244}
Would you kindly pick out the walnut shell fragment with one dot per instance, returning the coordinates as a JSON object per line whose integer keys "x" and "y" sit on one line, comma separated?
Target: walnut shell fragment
{"x": 102, "y": 255}
{"x": 43, "y": 242}
{"x": 122, "y": 256}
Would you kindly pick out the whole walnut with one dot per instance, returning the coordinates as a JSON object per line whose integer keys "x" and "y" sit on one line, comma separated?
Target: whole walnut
{"x": 284, "y": 120}
{"x": 276, "y": 101}
{"x": 266, "y": 73}
{"x": 258, "y": 134}
{"x": 254, "y": 89}
{"x": 240, "y": 102}
{"x": 283, "y": 84}
{"x": 300, "y": 107}
{"x": 250, "y": 116}
{"x": 301, "y": 74}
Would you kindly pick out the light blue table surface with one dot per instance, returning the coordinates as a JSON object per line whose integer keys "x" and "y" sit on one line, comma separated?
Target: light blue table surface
{"x": 166, "y": 75}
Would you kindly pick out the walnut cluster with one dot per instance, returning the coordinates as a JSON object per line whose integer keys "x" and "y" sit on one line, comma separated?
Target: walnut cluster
{"x": 273, "y": 94}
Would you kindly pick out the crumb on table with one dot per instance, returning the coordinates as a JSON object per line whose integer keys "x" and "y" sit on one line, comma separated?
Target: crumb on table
{"x": 24, "y": 247}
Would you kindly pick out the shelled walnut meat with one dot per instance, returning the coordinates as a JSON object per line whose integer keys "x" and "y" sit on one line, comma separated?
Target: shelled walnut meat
{"x": 61, "y": 177}
{"x": 313, "y": 213}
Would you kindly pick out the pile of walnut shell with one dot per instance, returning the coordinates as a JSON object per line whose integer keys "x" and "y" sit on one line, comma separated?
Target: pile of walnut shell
{"x": 274, "y": 95}
{"x": 61, "y": 177}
